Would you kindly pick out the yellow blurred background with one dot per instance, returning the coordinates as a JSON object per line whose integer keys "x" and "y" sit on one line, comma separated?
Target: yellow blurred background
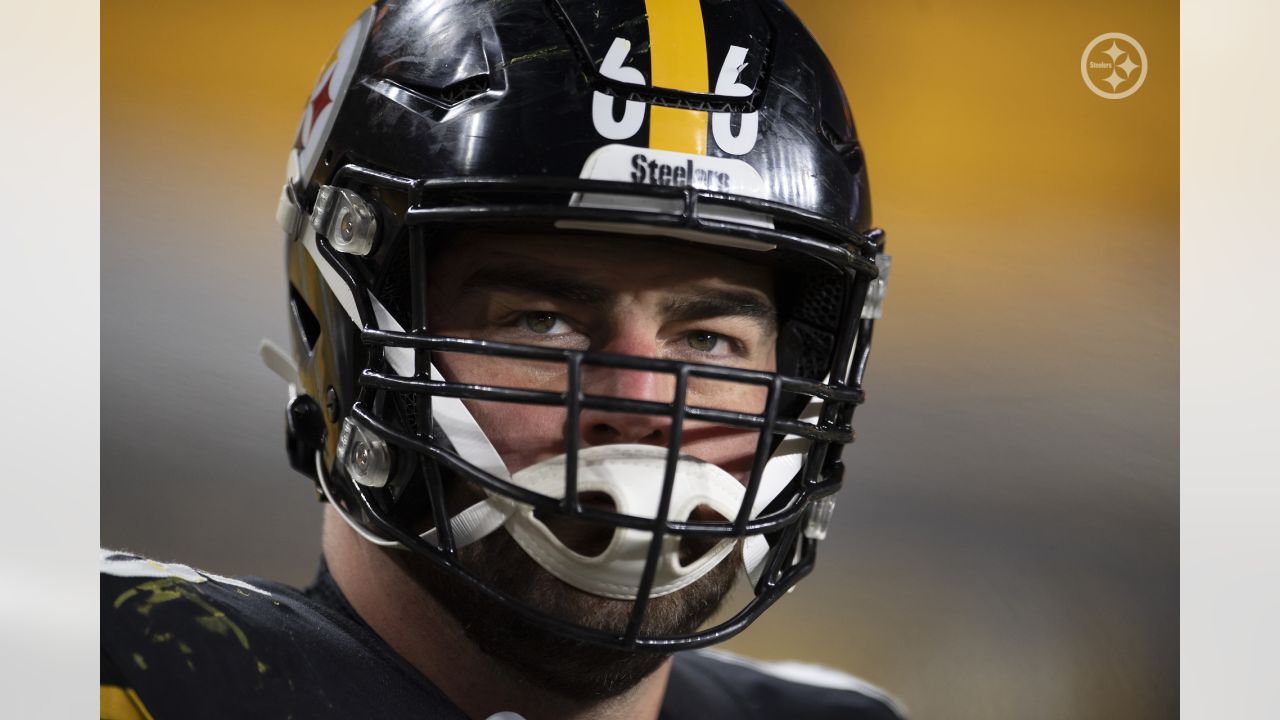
{"x": 1007, "y": 543}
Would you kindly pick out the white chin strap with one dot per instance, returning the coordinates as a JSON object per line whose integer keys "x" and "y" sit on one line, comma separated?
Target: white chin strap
{"x": 630, "y": 475}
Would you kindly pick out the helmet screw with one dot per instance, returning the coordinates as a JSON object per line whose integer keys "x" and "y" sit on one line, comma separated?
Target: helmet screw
{"x": 348, "y": 225}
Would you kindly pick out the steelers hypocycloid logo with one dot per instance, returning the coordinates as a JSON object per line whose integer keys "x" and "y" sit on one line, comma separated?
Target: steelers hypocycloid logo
{"x": 1114, "y": 65}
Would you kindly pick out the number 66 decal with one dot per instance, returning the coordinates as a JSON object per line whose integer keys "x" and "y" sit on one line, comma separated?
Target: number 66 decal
{"x": 727, "y": 84}
{"x": 615, "y": 128}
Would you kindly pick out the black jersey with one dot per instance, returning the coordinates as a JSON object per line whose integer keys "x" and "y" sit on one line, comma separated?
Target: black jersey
{"x": 180, "y": 643}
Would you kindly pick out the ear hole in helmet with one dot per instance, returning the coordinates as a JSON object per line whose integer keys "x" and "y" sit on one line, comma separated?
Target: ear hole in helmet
{"x": 304, "y": 319}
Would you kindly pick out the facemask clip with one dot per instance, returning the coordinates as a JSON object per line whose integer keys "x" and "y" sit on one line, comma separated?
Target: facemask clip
{"x": 345, "y": 219}
{"x": 818, "y": 519}
{"x": 366, "y": 457}
{"x": 874, "y": 305}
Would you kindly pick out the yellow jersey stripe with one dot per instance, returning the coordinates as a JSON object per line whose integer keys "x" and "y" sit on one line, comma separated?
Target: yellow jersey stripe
{"x": 117, "y": 703}
{"x": 678, "y": 60}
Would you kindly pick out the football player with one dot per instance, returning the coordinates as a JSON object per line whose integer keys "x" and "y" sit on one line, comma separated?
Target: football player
{"x": 582, "y": 295}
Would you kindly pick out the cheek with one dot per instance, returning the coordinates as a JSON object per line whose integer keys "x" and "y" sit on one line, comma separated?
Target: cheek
{"x": 727, "y": 395}
{"x": 522, "y": 434}
{"x": 732, "y": 449}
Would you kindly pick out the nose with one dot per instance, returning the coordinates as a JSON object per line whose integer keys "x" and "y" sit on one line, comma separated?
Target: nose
{"x": 603, "y": 427}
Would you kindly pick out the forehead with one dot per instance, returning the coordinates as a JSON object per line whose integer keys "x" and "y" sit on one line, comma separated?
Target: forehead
{"x": 619, "y": 262}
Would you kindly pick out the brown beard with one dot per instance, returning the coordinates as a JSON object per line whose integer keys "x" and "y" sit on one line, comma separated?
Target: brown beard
{"x": 571, "y": 668}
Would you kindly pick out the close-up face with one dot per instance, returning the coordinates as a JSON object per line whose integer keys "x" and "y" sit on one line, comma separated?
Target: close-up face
{"x": 642, "y": 297}
{"x": 623, "y": 295}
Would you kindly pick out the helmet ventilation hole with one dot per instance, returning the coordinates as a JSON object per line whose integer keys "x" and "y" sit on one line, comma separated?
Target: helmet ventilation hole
{"x": 304, "y": 319}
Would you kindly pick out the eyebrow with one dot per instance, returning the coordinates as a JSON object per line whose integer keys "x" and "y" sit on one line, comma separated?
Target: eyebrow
{"x": 722, "y": 302}
{"x": 706, "y": 304}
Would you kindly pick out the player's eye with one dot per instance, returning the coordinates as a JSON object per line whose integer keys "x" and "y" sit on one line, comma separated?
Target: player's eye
{"x": 544, "y": 323}
{"x": 707, "y": 342}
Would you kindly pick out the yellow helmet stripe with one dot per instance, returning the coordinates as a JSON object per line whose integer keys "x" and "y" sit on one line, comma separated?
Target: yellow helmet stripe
{"x": 678, "y": 60}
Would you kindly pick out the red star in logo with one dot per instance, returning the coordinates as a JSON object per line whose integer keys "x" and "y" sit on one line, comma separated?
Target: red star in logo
{"x": 321, "y": 101}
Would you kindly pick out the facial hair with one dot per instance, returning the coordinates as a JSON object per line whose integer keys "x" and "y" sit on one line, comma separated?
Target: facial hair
{"x": 572, "y": 668}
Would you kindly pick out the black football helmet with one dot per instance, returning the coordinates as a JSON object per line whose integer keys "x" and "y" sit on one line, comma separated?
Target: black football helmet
{"x": 720, "y": 124}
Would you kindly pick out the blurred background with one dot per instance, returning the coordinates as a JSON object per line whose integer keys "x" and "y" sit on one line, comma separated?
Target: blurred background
{"x": 1007, "y": 545}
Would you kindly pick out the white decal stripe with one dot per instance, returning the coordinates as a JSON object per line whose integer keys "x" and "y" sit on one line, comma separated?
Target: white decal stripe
{"x": 331, "y": 277}
{"x": 669, "y": 168}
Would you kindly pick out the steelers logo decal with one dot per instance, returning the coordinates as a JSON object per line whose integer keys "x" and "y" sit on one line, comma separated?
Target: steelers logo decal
{"x": 325, "y": 100}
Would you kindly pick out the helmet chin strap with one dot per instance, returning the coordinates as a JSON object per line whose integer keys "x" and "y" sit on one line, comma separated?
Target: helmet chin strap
{"x": 630, "y": 475}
